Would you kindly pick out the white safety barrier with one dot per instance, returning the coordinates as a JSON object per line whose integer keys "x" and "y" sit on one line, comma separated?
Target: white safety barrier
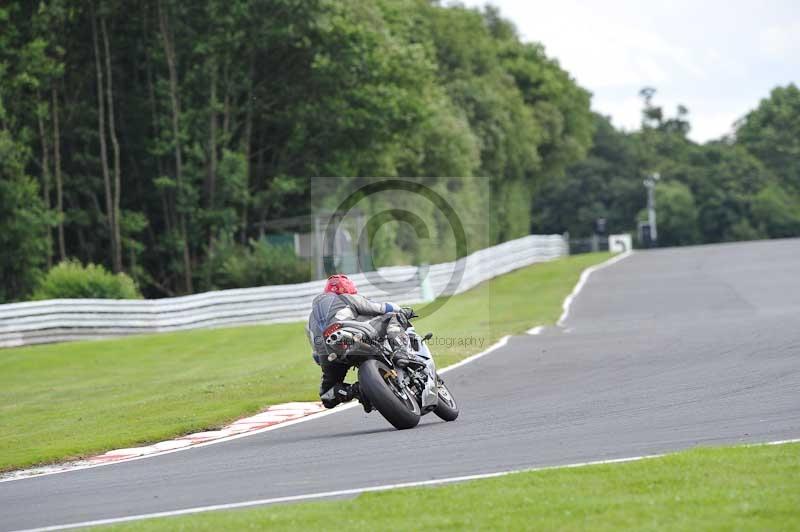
{"x": 59, "y": 320}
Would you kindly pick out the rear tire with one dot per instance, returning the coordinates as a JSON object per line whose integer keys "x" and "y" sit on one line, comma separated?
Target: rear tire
{"x": 376, "y": 382}
{"x": 447, "y": 408}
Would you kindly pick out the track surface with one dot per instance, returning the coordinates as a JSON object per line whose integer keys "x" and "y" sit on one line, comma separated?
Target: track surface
{"x": 666, "y": 350}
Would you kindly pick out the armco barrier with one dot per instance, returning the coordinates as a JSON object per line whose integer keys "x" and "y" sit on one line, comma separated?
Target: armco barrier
{"x": 61, "y": 320}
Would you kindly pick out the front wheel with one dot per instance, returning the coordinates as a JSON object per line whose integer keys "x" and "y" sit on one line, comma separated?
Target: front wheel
{"x": 447, "y": 408}
{"x": 388, "y": 395}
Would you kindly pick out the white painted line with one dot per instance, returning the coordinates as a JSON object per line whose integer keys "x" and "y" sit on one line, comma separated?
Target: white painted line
{"x": 495, "y": 346}
{"x": 536, "y": 330}
{"x": 582, "y": 281}
{"x": 779, "y": 442}
{"x": 358, "y": 491}
{"x": 65, "y": 468}
{"x": 79, "y": 465}
{"x": 324, "y": 495}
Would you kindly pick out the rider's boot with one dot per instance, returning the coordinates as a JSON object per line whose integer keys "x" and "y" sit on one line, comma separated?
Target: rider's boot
{"x": 339, "y": 393}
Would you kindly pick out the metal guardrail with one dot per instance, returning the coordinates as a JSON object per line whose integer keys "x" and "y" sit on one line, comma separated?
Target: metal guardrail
{"x": 61, "y": 320}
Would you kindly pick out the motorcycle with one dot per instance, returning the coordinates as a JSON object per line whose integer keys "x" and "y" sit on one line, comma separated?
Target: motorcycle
{"x": 401, "y": 394}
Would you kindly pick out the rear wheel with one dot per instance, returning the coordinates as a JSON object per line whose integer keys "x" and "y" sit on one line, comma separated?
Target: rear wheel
{"x": 447, "y": 408}
{"x": 388, "y": 395}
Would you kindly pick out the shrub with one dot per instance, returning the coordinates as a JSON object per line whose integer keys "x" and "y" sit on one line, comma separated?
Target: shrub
{"x": 777, "y": 211}
{"x": 70, "y": 279}
{"x": 260, "y": 263}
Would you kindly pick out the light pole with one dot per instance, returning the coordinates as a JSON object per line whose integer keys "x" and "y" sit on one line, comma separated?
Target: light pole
{"x": 650, "y": 185}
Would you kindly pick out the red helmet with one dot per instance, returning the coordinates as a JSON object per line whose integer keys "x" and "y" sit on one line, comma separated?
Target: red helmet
{"x": 340, "y": 284}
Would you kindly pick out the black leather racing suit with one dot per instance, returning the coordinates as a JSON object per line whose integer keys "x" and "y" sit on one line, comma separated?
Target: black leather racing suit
{"x": 328, "y": 308}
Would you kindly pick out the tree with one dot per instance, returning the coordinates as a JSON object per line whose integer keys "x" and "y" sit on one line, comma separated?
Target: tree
{"x": 197, "y": 123}
{"x": 105, "y": 110}
{"x": 24, "y": 222}
{"x": 169, "y": 52}
{"x": 677, "y": 215}
{"x": 724, "y": 178}
{"x": 606, "y": 184}
{"x": 530, "y": 118}
{"x": 777, "y": 212}
{"x": 771, "y": 132}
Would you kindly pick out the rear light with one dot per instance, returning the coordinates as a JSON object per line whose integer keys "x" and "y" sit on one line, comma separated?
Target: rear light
{"x": 331, "y": 329}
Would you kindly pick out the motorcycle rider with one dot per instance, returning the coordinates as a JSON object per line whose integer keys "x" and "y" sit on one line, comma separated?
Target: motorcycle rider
{"x": 341, "y": 301}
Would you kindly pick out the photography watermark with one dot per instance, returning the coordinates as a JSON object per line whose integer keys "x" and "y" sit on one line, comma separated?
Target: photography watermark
{"x": 457, "y": 341}
{"x": 404, "y": 240}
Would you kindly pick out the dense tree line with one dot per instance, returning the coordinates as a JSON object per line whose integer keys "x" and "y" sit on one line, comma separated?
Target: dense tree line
{"x": 742, "y": 187}
{"x": 155, "y": 137}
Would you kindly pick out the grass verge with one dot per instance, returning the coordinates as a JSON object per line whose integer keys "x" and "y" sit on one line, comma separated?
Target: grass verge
{"x": 76, "y": 399}
{"x": 734, "y": 488}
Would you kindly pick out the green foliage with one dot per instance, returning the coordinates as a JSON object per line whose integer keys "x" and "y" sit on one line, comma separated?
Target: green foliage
{"x": 724, "y": 178}
{"x": 771, "y": 132}
{"x": 776, "y": 211}
{"x": 721, "y": 191}
{"x": 517, "y": 114}
{"x": 24, "y": 223}
{"x": 513, "y": 207}
{"x": 606, "y": 184}
{"x": 70, "y": 279}
{"x": 677, "y": 215}
{"x": 231, "y": 265}
{"x": 742, "y": 230}
{"x": 223, "y": 110}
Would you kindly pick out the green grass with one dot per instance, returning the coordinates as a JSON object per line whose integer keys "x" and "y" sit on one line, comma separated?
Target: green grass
{"x": 510, "y": 304}
{"x": 735, "y": 488}
{"x": 76, "y": 399}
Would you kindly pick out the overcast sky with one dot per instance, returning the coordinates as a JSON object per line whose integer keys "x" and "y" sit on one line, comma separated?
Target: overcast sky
{"x": 718, "y": 58}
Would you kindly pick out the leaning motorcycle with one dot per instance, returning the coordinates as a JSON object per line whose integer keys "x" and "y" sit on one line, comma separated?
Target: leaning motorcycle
{"x": 401, "y": 394}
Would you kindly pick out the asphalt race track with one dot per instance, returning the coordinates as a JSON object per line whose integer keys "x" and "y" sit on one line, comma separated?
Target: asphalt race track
{"x": 665, "y": 350}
